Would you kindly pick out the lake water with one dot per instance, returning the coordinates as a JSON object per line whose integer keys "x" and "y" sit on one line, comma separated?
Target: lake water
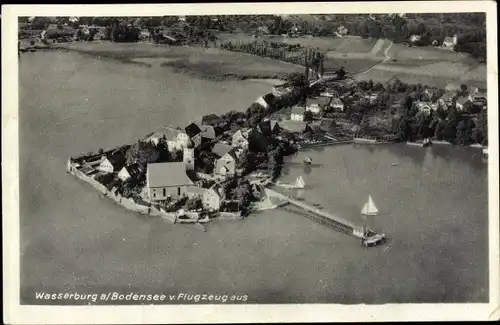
{"x": 433, "y": 203}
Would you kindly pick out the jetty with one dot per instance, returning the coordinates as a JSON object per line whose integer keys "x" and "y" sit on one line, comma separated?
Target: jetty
{"x": 322, "y": 216}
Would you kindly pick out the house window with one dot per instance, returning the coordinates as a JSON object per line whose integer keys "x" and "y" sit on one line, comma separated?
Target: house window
{"x": 154, "y": 193}
{"x": 179, "y": 191}
{"x": 164, "y": 192}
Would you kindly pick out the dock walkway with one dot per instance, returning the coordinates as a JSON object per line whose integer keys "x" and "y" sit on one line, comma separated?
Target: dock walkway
{"x": 344, "y": 225}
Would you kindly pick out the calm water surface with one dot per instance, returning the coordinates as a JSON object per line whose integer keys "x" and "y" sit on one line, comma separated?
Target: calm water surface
{"x": 433, "y": 204}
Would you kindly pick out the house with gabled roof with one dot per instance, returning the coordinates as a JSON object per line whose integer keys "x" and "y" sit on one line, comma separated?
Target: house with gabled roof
{"x": 315, "y": 105}
{"x": 226, "y": 165}
{"x": 176, "y": 138}
{"x": 167, "y": 181}
{"x": 194, "y": 133}
{"x": 112, "y": 162}
{"x": 130, "y": 172}
{"x": 450, "y": 42}
{"x": 220, "y": 149}
{"x": 210, "y": 119}
{"x": 207, "y": 132}
{"x": 447, "y": 99}
{"x": 464, "y": 103}
{"x": 337, "y": 104}
{"x": 240, "y": 140}
{"x": 297, "y": 113}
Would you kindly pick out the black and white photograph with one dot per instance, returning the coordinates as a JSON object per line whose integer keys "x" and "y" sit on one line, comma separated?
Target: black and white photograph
{"x": 226, "y": 156}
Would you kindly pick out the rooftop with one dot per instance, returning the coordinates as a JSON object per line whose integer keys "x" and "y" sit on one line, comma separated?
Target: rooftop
{"x": 167, "y": 174}
{"x": 192, "y": 130}
{"x": 297, "y": 110}
{"x": 221, "y": 149}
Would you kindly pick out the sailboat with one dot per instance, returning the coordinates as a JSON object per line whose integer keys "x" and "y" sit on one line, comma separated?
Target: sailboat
{"x": 369, "y": 209}
{"x": 370, "y": 238}
{"x": 307, "y": 160}
{"x": 299, "y": 183}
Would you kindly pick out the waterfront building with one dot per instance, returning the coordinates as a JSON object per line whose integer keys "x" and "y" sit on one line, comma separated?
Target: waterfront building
{"x": 167, "y": 180}
{"x": 211, "y": 199}
{"x": 112, "y": 163}
{"x": 129, "y": 172}
{"x": 294, "y": 126}
{"x": 177, "y": 139}
{"x": 297, "y": 113}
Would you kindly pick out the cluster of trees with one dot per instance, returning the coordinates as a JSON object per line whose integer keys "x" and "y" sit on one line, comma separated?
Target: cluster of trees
{"x": 293, "y": 53}
{"x": 239, "y": 189}
{"x": 452, "y": 126}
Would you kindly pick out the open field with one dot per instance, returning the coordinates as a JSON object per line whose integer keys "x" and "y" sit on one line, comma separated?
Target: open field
{"x": 428, "y": 66}
{"x": 208, "y": 63}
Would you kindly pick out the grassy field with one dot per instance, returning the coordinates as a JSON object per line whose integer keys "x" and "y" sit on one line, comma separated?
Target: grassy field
{"x": 209, "y": 63}
{"x": 428, "y": 66}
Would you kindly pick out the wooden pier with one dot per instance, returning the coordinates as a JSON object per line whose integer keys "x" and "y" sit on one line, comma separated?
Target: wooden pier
{"x": 323, "y": 216}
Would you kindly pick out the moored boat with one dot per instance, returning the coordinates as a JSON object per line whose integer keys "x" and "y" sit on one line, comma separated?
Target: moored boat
{"x": 307, "y": 160}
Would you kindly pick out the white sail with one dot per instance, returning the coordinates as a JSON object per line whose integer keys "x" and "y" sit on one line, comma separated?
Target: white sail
{"x": 299, "y": 183}
{"x": 369, "y": 209}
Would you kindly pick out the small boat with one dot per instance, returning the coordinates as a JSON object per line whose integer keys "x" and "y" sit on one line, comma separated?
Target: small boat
{"x": 307, "y": 160}
{"x": 299, "y": 183}
{"x": 427, "y": 142}
{"x": 369, "y": 209}
{"x": 394, "y": 164}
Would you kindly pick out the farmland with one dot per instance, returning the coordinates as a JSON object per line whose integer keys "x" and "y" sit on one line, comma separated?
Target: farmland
{"x": 428, "y": 66}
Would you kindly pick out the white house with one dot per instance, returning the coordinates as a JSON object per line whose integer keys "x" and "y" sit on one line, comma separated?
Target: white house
{"x": 167, "y": 180}
{"x": 129, "y": 172}
{"x": 112, "y": 163}
{"x": 342, "y": 31}
{"x": 240, "y": 140}
{"x": 450, "y": 42}
{"x": 211, "y": 199}
{"x": 176, "y": 139}
{"x": 226, "y": 165}
{"x": 297, "y": 113}
{"x": 337, "y": 104}
{"x": 315, "y": 105}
